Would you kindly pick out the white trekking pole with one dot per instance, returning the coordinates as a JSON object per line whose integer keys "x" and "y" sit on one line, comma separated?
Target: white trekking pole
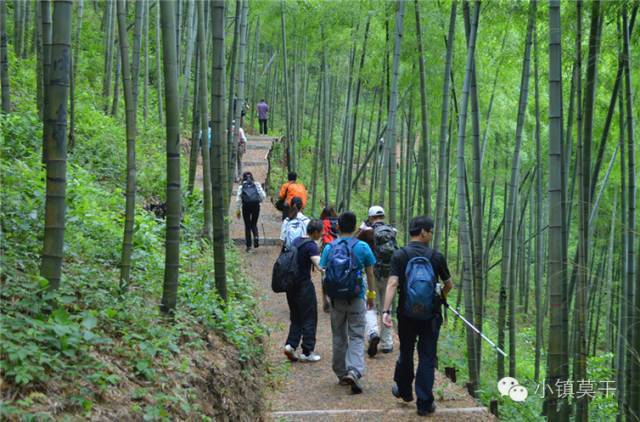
{"x": 499, "y": 350}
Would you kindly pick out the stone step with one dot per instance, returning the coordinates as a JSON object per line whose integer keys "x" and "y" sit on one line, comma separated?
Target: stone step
{"x": 269, "y": 241}
{"x": 261, "y": 138}
{"x": 353, "y": 414}
{"x": 266, "y": 146}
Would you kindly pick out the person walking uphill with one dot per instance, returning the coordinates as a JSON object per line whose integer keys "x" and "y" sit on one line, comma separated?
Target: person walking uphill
{"x": 344, "y": 260}
{"x": 415, "y": 269}
{"x": 289, "y": 190}
{"x": 250, "y": 195}
{"x": 381, "y": 237}
{"x": 263, "y": 115}
{"x": 301, "y": 297}
{"x": 329, "y": 219}
{"x": 295, "y": 225}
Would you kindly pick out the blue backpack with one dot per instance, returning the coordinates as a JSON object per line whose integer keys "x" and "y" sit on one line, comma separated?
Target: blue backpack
{"x": 342, "y": 277}
{"x": 420, "y": 289}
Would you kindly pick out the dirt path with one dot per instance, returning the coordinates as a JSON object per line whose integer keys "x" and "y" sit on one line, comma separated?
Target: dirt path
{"x": 309, "y": 391}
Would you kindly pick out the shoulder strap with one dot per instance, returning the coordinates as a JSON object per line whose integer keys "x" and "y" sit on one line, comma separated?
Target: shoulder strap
{"x": 353, "y": 242}
{"x": 307, "y": 240}
{"x": 406, "y": 265}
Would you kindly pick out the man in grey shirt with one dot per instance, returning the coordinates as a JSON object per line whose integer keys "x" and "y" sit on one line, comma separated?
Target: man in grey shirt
{"x": 263, "y": 115}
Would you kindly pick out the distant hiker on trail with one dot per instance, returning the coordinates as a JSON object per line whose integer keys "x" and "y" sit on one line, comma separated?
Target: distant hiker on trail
{"x": 330, "y": 233}
{"x": 248, "y": 198}
{"x": 241, "y": 140}
{"x": 415, "y": 269}
{"x": 381, "y": 237}
{"x": 344, "y": 260}
{"x": 301, "y": 297}
{"x": 263, "y": 115}
{"x": 295, "y": 225}
{"x": 208, "y": 135}
{"x": 289, "y": 190}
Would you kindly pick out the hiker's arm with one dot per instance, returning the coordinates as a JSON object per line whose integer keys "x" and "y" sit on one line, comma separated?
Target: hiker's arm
{"x": 316, "y": 263}
{"x": 283, "y": 191}
{"x": 392, "y": 285}
{"x": 444, "y": 274}
{"x": 261, "y": 192}
{"x": 371, "y": 278}
{"x": 239, "y": 198}
{"x": 448, "y": 285}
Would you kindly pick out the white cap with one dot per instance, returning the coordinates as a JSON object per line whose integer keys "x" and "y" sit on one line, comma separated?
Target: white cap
{"x": 376, "y": 211}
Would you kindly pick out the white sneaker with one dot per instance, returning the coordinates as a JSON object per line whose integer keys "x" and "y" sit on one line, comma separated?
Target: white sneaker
{"x": 290, "y": 353}
{"x": 311, "y": 357}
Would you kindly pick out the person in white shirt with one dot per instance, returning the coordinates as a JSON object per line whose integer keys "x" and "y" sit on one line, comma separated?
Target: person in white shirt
{"x": 295, "y": 225}
{"x": 241, "y": 140}
{"x": 248, "y": 198}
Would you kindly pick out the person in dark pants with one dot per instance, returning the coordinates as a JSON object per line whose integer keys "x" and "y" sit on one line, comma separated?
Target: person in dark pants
{"x": 263, "y": 115}
{"x": 250, "y": 195}
{"x": 410, "y": 328}
{"x": 301, "y": 297}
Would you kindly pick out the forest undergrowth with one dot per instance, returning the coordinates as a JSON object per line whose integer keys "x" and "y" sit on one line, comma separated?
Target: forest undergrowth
{"x": 88, "y": 349}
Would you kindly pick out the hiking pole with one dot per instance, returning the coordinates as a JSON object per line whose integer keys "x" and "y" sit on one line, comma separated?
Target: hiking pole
{"x": 499, "y": 350}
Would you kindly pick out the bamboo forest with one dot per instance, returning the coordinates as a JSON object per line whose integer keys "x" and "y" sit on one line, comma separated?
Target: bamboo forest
{"x": 319, "y": 210}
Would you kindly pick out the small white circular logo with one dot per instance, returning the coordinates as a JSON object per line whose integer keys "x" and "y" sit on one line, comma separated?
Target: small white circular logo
{"x": 518, "y": 393}
{"x": 509, "y": 386}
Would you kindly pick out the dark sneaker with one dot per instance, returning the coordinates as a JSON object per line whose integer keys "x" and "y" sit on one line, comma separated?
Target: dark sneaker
{"x": 396, "y": 393}
{"x": 343, "y": 380}
{"x": 387, "y": 349}
{"x": 427, "y": 412}
{"x": 256, "y": 243}
{"x": 354, "y": 380}
{"x": 373, "y": 345}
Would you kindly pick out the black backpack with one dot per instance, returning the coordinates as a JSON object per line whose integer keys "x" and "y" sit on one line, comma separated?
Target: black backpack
{"x": 334, "y": 227}
{"x": 385, "y": 244}
{"x": 285, "y": 270}
{"x": 250, "y": 194}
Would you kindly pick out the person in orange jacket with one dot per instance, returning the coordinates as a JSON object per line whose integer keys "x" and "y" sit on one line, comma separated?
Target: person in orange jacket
{"x": 291, "y": 189}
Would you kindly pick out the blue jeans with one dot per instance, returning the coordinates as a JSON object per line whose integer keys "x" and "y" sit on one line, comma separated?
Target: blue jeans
{"x": 426, "y": 333}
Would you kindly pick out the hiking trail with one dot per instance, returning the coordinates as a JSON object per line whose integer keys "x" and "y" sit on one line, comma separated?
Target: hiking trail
{"x": 310, "y": 391}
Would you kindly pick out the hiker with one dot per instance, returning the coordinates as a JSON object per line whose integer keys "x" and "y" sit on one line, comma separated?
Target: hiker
{"x": 263, "y": 115}
{"x": 301, "y": 297}
{"x": 289, "y": 190}
{"x": 329, "y": 219}
{"x": 381, "y": 237}
{"x": 241, "y": 139}
{"x": 295, "y": 225}
{"x": 344, "y": 261}
{"x": 415, "y": 270}
{"x": 248, "y": 198}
